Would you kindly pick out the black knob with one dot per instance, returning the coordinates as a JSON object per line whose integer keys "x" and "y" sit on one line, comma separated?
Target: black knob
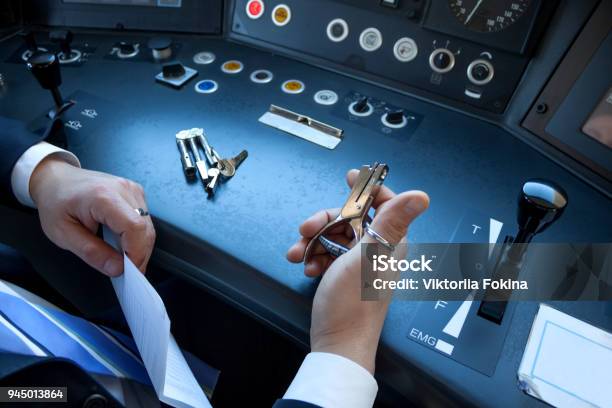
{"x": 361, "y": 105}
{"x": 337, "y": 30}
{"x": 127, "y": 48}
{"x": 442, "y": 60}
{"x": 29, "y": 40}
{"x": 173, "y": 70}
{"x": 262, "y": 75}
{"x": 395, "y": 118}
{"x": 480, "y": 72}
{"x": 64, "y": 38}
{"x": 46, "y": 69}
{"x": 540, "y": 204}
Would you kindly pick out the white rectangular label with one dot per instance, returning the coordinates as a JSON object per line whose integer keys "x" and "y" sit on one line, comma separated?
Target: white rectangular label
{"x": 445, "y": 347}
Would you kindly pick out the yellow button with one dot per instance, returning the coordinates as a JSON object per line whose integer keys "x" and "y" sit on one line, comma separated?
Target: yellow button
{"x": 232, "y": 67}
{"x": 293, "y": 86}
{"x": 281, "y": 15}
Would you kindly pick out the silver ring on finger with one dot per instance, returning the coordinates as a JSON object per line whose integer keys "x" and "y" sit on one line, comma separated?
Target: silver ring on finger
{"x": 381, "y": 240}
{"x": 142, "y": 212}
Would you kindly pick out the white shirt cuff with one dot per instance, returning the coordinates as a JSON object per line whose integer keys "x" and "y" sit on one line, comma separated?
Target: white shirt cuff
{"x": 330, "y": 380}
{"x": 27, "y": 163}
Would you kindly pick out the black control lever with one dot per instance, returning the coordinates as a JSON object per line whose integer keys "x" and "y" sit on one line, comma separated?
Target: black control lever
{"x": 395, "y": 117}
{"x": 540, "y": 204}
{"x": 29, "y": 40}
{"x": 64, "y": 38}
{"x": 46, "y": 69}
{"x": 361, "y": 105}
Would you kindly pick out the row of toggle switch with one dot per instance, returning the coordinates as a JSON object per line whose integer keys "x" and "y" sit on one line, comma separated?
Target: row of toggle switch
{"x": 392, "y": 119}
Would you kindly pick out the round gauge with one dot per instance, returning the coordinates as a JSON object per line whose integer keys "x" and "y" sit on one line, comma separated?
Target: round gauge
{"x": 488, "y": 15}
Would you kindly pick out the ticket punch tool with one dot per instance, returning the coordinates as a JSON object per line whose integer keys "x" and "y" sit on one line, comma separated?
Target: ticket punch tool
{"x": 354, "y": 212}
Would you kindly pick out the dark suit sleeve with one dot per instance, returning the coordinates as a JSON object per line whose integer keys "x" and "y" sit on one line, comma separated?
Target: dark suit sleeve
{"x": 287, "y": 403}
{"x": 15, "y": 139}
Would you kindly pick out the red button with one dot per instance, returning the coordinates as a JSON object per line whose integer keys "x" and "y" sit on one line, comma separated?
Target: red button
{"x": 255, "y": 8}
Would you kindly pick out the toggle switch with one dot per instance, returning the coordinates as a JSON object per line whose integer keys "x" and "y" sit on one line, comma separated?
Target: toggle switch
{"x": 361, "y": 107}
{"x": 64, "y": 39}
{"x": 396, "y": 118}
{"x": 30, "y": 44}
{"x": 29, "y": 40}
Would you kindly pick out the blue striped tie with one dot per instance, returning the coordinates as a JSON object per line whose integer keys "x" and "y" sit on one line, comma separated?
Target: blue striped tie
{"x": 59, "y": 334}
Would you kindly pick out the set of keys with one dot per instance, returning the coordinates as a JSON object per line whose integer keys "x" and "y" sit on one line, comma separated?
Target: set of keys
{"x": 213, "y": 168}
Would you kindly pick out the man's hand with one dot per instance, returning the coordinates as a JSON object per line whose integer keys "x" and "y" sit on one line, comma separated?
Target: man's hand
{"x": 342, "y": 323}
{"x": 72, "y": 202}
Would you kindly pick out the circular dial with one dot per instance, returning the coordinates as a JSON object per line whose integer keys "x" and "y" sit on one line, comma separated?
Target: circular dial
{"x": 488, "y": 15}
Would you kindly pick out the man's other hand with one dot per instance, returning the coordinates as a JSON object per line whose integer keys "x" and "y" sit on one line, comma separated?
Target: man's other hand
{"x": 72, "y": 202}
{"x": 342, "y": 323}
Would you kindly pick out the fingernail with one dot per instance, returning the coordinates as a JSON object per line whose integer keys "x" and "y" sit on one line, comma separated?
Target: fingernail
{"x": 113, "y": 267}
{"x": 415, "y": 205}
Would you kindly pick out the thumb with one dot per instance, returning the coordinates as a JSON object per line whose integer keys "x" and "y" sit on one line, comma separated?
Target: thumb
{"x": 393, "y": 218}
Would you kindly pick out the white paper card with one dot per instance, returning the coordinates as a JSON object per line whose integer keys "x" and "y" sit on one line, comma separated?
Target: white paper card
{"x": 567, "y": 362}
{"x": 149, "y": 323}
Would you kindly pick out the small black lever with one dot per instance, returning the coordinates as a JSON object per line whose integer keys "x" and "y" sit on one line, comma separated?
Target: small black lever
{"x": 29, "y": 40}
{"x": 361, "y": 105}
{"x": 64, "y": 38}
{"x": 395, "y": 117}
